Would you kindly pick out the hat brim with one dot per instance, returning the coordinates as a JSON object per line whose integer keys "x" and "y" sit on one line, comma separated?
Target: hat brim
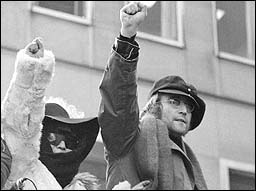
{"x": 71, "y": 121}
{"x": 178, "y": 92}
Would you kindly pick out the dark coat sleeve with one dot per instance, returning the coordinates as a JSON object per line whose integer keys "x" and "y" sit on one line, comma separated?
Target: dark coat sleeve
{"x": 6, "y": 161}
{"x": 119, "y": 113}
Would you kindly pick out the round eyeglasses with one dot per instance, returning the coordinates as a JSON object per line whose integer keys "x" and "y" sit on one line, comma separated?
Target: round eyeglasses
{"x": 177, "y": 103}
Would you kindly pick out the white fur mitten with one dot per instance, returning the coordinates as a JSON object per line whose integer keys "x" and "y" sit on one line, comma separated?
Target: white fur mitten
{"x": 23, "y": 106}
{"x": 22, "y": 113}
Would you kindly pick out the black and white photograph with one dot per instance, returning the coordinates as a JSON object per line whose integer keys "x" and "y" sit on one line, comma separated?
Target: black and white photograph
{"x": 127, "y": 95}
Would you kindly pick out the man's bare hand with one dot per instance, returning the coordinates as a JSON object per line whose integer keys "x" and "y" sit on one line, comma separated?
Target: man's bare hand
{"x": 131, "y": 16}
{"x": 35, "y": 48}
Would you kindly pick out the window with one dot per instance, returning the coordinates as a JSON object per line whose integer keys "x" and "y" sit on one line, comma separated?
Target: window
{"x": 78, "y": 11}
{"x": 236, "y": 175}
{"x": 235, "y": 30}
{"x": 164, "y": 23}
{"x": 71, "y": 7}
{"x": 240, "y": 180}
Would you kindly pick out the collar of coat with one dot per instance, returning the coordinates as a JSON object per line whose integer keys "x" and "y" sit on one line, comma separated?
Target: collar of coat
{"x": 191, "y": 161}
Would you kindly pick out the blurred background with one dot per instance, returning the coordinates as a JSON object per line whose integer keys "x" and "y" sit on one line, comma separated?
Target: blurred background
{"x": 210, "y": 44}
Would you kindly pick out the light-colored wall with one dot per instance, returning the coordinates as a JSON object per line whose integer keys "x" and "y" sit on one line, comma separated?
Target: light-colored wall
{"x": 228, "y": 88}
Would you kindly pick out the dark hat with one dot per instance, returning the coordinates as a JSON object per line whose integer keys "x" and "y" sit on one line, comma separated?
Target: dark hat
{"x": 80, "y": 134}
{"x": 55, "y": 112}
{"x": 176, "y": 85}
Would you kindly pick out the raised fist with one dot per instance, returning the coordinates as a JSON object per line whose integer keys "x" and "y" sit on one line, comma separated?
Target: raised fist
{"x": 35, "y": 48}
{"x": 34, "y": 65}
{"x": 131, "y": 16}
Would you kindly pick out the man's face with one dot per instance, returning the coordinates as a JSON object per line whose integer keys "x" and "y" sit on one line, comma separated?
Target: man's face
{"x": 176, "y": 113}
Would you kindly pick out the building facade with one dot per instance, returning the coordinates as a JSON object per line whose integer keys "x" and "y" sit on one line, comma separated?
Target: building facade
{"x": 210, "y": 44}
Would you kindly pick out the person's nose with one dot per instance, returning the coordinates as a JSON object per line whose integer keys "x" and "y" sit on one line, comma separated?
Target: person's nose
{"x": 183, "y": 109}
{"x": 62, "y": 145}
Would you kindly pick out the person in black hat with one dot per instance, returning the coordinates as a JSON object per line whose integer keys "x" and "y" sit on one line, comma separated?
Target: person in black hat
{"x": 34, "y": 130}
{"x": 147, "y": 145}
{"x": 65, "y": 142}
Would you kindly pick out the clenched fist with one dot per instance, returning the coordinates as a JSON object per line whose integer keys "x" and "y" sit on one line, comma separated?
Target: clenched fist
{"x": 34, "y": 66}
{"x": 131, "y": 16}
{"x": 35, "y": 48}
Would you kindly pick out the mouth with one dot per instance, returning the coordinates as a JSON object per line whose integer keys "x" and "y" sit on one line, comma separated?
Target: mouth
{"x": 181, "y": 120}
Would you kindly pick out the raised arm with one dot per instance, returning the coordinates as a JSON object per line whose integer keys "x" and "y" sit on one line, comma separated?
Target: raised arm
{"x": 23, "y": 106}
{"x": 119, "y": 112}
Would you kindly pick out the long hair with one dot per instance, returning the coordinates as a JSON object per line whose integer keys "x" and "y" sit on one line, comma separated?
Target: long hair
{"x": 153, "y": 106}
{"x": 89, "y": 181}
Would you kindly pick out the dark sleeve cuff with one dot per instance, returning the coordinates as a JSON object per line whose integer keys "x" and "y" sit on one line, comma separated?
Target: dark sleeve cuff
{"x": 128, "y": 48}
{"x": 130, "y": 40}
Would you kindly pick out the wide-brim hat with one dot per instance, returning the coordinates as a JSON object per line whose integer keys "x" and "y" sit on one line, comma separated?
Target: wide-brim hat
{"x": 176, "y": 85}
{"x": 83, "y": 132}
{"x": 54, "y": 114}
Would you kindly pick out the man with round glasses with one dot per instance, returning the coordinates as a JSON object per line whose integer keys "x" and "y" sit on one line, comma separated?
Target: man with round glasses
{"x": 147, "y": 145}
